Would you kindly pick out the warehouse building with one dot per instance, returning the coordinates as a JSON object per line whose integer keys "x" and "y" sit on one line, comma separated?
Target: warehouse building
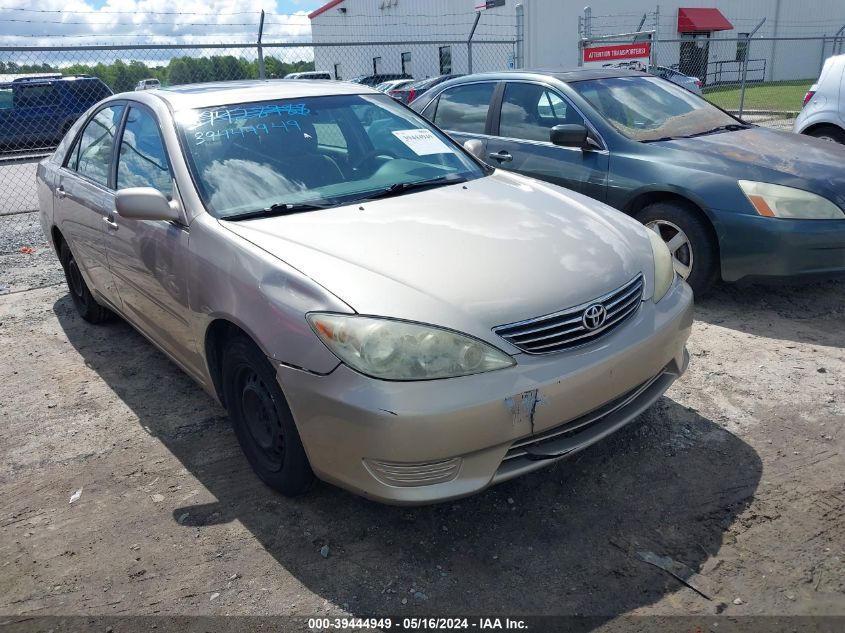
{"x": 700, "y": 37}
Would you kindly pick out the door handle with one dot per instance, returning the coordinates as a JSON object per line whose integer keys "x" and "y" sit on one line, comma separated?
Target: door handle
{"x": 110, "y": 222}
{"x": 502, "y": 157}
{"x": 60, "y": 192}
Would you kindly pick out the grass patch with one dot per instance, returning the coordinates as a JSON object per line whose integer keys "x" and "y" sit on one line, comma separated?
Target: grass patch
{"x": 772, "y": 95}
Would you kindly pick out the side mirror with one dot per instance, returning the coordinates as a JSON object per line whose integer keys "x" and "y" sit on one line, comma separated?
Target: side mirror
{"x": 145, "y": 203}
{"x": 572, "y": 135}
{"x": 476, "y": 148}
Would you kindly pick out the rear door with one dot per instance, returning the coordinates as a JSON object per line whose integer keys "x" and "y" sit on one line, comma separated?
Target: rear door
{"x": 523, "y": 118}
{"x": 85, "y": 197}
{"x": 463, "y": 111}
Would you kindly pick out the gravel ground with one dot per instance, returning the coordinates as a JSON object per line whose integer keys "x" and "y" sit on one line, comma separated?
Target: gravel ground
{"x": 36, "y": 265}
{"x": 124, "y": 491}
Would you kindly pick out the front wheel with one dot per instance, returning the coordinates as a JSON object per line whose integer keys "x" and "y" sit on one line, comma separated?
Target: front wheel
{"x": 262, "y": 420}
{"x": 690, "y": 240}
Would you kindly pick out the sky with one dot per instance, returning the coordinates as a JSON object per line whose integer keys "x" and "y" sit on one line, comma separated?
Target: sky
{"x": 46, "y": 22}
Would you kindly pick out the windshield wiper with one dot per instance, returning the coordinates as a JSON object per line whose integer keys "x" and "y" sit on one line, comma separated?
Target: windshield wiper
{"x": 399, "y": 188}
{"x": 279, "y": 208}
{"x": 661, "y": 139}
{"x": 730, "y": 127}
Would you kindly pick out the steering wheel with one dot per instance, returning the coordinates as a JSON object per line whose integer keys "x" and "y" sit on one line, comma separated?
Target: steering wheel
{"x": 371, "y": 155}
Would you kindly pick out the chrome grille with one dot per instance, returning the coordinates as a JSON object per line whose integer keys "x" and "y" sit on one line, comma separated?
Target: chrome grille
{"x": 566, "y": 329}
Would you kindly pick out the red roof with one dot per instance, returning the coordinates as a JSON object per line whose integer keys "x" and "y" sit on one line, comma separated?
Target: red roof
{"x": 323, "y": 9}
{"x": 690, "y": 20}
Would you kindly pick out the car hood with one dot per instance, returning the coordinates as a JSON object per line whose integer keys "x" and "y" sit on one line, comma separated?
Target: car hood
{"x": 771, "y": 156}
{"x": 466, "y": 256}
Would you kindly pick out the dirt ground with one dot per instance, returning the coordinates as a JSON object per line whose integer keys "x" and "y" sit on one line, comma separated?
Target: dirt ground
{"x": 738, "y": 473}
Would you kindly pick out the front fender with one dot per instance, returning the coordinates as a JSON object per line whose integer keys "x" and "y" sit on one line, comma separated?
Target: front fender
{"x": 235, "y": 280}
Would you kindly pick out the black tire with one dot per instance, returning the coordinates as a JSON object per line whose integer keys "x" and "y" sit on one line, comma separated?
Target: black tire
{"x": 84, "y": 301}
{"x": 701, "y": 251}
{"x": 262, "y": 419}
{"x": 828, "y": 133}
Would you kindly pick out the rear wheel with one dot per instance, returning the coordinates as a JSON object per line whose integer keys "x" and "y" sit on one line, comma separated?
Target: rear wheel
{"x": 83, "y": 300}
{"x": 690, "y": 240}
{"x": 262, "y": 419}
{"x": 828, "y": 133}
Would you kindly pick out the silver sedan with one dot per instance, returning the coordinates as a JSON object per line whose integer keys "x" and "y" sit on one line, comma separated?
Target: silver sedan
{"x": 372, "y": 303}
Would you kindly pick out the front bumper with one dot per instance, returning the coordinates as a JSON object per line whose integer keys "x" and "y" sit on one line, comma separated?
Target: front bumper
{"x": 422, "y": 442}
{"x": 754, "y": 246}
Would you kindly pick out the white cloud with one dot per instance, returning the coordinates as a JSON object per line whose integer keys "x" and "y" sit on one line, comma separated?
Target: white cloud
{"x": 76, "y": 22}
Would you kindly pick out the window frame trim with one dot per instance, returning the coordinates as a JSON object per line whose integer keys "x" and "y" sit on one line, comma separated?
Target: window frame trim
{"x": 113, "y": 160}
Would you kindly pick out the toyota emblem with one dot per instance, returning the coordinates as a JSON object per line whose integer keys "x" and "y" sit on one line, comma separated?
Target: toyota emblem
{"x": 594, "y": 316}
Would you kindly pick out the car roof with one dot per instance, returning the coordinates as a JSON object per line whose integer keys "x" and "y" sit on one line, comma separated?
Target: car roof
{"x": 225, "y": 92}
{"x": 561, "y": 74}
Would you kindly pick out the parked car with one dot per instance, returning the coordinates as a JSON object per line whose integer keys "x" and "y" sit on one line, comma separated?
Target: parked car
{"x": 309, "y": 74}
{"x": 731, "y": 200}
{"x": 386, "y": 312}
{"x": 374, "y": 80}
{"x": 411, "y": 91}
{"x": 693, "y": 84}
{"x": 148, "y": 84}
{"x": 393, "y": 84}
{"x": 823, "y": 114}
{"x": 37, "y": 111}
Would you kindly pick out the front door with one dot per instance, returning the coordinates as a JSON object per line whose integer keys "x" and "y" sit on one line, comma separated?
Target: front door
{"x": 148, "y": 257}
{"x": 527, "y": 114}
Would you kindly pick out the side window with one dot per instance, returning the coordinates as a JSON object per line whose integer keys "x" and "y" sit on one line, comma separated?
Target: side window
{"x": 142, "y": 161}
{"x": 92, "y": 156}
{"x": 529, "y": 111}
{"x": 6, "y": 102}
{"x": 464, "y": 108}
{"x": 330, "y": 135}
{"x": 35, "y": 96}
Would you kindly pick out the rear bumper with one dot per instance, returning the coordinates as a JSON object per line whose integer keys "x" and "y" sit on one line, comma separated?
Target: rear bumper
{"x": 422, "y": 442}
{"x": 753, "y": 246}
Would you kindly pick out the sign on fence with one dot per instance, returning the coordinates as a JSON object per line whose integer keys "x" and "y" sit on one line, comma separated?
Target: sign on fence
{"x": 617, "y": 52}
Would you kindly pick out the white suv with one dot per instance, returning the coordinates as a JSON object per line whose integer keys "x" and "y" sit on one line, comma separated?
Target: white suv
{"x": 148, "y": 84}
{"x": 823, "y": 115}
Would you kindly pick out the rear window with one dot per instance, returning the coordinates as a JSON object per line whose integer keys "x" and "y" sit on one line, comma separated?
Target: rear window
{"x": 464, "y": 108}
{"x": 87, "y": 91}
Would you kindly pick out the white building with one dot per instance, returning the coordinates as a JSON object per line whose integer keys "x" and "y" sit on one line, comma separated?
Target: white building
{"x": 430, "y": 35}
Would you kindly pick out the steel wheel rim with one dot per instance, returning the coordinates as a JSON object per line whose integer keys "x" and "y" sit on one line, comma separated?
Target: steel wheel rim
{"x": 260, "y": 419}
{"x": 678, "y": 243}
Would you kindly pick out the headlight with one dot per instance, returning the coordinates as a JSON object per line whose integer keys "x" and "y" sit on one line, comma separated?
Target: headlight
{"x": 398, "y": 350}
{"x": 777, "y": 201}
{"x": 664, "y": 270}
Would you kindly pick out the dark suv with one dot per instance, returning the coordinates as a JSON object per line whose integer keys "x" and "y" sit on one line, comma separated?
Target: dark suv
{"x": 36, "y": 112}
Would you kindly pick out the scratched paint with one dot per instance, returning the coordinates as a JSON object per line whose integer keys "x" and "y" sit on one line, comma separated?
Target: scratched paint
{"x": 522, "y": 407}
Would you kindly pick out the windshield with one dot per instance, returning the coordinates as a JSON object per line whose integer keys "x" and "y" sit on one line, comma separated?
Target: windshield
{"x": 319, "y": 151}
{"x": 648, "y": 108}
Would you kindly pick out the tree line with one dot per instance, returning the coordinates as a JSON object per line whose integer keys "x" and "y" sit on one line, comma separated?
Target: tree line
{"x": 121, "y": 76}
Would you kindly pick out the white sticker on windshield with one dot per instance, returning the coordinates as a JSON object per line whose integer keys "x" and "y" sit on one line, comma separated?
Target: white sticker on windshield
{"x": 422, "y": 142}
